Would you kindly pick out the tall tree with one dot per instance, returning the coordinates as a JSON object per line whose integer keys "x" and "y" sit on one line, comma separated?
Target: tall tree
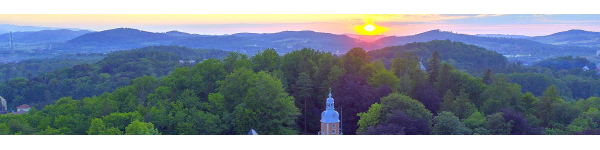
{"x": 464, "y": 106}
{"x": 448, "y": 103}
{"x": 370, "y": 118}
{"x": 211, "y": 71}
{"x": 235, "y": 61}
{"x": 445, "y": 79}
{"x": 234, "y": 87}
{"x": 434, "y": 67}
{"x": 487, "y": 77}
{"x": 448, "y": 124}
{"x": 304, "y": 91}
{"x": 384, "y": 77}
{"x": 476, "y": 123}
{"x": 268, "y": 60}
{"x": 496, "y": 125}
{"x": 517, "y": 122}
{"x": 352, "y": 95}
{"x": 429, "y": 96}
{"x": 354, "y": 60}
{"x": 266, "y": 107}
{"x": 98, "y": 128}
{"x": 544, "y": 106}
{"x": 141, "y": 128}
{"x": 409, "y": 106}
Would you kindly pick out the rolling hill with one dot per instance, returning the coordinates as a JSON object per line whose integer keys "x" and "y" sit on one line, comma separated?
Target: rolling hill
{"x": 507, "y": 46}
{"x": 121, "y": 36}
{"x": 522, "y": 49}
{"x": 127, "y": 38}
{"x": 471, "y": 58}
{"x": 572, "y": 38}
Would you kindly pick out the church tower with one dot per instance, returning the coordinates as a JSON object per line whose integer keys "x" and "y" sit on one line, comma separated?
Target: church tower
{"x": 330, "y": 119}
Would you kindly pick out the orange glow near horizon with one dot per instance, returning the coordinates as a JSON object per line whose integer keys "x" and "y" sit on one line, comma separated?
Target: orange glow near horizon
{"x": 369, "y": 29}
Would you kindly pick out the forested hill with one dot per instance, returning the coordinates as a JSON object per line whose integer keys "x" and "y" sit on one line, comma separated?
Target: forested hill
{"x": 115, "y": 70}
{"x": 571, "y": 37}
{"x": 229, "y": 97}
{"x": 470, "y": 58}
{"x": 122, "y": 38}
{"x": 505, "y": 46}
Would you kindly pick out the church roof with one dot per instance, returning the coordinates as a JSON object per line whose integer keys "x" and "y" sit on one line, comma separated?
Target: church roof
{"x": 330, "y": 115}
{"x": 24, "y": 106}
{"x": 252, "y": 132}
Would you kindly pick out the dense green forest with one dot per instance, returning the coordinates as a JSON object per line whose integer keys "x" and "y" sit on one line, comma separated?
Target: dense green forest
{"x": 84, "y": 80}
{"x": 469, "y": 58}
{"x": 275, "y": 94}
{"x": 33, "y": 67}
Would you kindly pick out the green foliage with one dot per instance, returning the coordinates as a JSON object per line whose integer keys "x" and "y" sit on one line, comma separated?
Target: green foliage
{"x": 266, "y": 91}
{"x": 98, "y": 128}
{"x": 384, "y": 77}
{"x": 473, "y": 59}
{"x": 476, "y": 122}
{"x": 461, "y": 105}
{"x": 4, "y": 129}
{"x": 279, "y": 115}
{"x": 553, "y": 111}
{"x": 448, "y": 124}
{"x": 434, "y": 67}
{"x": 412, "y": 108}
{"x": 369, "y": 118}
{"x": 487, "y": 77}
{"x": 580, "y": 124}
{"x": 117, "y": 69}
{"x": 528, "y": 102}
{"x": 141, "y": 128}
{"x": 496, "y": 125}
{"x": 268, "y": 61}
{"x": 354, "y": 60}
{"x": 234, "y": 87}
{"x": 235, "y": 61}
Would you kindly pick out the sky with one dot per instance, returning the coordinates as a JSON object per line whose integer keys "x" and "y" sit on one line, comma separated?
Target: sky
{"x": 393, "y": 24}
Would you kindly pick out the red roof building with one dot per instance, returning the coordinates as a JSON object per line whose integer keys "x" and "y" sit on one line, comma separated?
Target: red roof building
{"x": 23, "y": 107}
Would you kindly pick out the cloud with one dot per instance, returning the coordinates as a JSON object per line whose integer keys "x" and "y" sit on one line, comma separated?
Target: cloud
{"x": 489, "y": 15}
{"x": 426, "y": 18}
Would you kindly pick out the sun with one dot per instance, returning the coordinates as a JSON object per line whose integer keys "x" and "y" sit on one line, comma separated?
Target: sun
{"x": 369, "y": 27}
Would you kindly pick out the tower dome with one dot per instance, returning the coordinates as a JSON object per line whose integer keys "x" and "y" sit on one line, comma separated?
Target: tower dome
{"x": 330, "y": 115}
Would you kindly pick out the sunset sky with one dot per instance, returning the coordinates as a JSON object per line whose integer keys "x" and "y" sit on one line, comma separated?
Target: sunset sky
{"x": 394, "y": 24}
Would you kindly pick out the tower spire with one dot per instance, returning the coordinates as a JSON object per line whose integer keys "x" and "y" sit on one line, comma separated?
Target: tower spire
{"x": 330, "y": 119}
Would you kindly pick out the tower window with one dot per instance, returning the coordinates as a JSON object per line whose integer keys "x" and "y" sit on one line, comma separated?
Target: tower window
{"x": 334, "y": 125}
{"x": 333, "y": 131}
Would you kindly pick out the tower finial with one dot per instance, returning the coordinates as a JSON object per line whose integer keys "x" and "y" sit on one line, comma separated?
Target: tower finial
{"x": 329, "y": 92}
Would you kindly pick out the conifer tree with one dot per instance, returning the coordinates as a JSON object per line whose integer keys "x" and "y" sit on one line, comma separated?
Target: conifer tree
{"x": 434, "y": 67}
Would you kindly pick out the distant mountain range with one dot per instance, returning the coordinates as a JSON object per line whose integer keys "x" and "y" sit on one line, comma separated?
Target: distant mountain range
{"x": 571, "y": 37}
{"x": 504, "y": 36}
{"x": 44, "y": 36}
{"x": 572, "y": 42}
{"x": 127, "y": 38}
{"x": 6, "y": 28}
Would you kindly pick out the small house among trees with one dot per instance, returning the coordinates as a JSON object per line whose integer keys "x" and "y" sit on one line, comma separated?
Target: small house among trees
{"x": 22, "y": 109}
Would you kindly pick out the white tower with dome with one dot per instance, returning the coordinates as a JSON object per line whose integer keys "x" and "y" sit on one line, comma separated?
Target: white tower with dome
{"x": 330, "y": 119}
